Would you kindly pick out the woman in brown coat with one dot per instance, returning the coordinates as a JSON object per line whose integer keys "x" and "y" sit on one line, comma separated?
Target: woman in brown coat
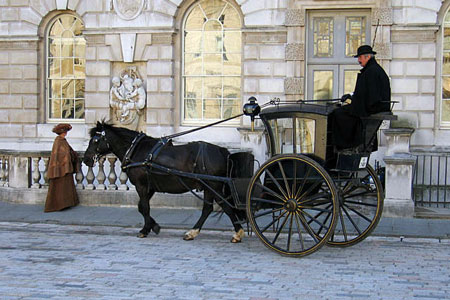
{"x": 62, "y": 165}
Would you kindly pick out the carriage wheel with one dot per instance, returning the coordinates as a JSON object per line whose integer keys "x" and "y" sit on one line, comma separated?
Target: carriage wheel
{"x": 292, "y": 205}
{"x": 360, "y": 206}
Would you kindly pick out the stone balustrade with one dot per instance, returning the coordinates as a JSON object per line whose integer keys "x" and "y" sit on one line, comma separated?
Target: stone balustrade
{"x": 23, "y": 179}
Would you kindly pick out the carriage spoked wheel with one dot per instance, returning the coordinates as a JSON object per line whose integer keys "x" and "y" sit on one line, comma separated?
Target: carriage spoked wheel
{"x": 360, "y": 206}
{"x": 292, "y": 205}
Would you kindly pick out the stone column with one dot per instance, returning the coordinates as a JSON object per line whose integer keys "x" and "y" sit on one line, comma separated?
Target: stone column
{"x": 400, "y": 163}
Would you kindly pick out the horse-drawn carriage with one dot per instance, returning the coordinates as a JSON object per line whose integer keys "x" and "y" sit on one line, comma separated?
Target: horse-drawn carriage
{"x": 306, "y": 195}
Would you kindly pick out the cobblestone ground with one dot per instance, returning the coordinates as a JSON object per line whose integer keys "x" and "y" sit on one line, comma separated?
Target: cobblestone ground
{"x": 45, "y": 261}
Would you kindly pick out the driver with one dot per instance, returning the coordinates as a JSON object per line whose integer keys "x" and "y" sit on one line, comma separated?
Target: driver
{"x": 371, "y": 95}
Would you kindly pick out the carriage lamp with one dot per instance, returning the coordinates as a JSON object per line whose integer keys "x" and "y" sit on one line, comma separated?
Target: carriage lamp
{"x": 252, "y": 109}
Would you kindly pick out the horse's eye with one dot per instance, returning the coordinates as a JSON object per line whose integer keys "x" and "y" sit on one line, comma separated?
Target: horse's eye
{"x": 96, "y": 139}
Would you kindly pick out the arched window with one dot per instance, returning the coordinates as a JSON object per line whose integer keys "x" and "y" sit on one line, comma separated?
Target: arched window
{"x": 211, "y": 62}
{"x": 66, "y": 64}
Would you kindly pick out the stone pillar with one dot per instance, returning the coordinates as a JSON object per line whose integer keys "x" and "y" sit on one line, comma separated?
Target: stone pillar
{"x": 400, "y": 163}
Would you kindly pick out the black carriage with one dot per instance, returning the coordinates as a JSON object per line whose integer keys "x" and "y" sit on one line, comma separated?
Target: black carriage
{"x": 308, "y": 193}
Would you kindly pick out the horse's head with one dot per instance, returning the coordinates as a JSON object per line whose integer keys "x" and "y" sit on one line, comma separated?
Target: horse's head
{"x": 98, "y": 145}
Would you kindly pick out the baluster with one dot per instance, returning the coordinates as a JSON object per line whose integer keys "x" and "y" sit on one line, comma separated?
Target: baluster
{"x": 6, "y": 174}
{"x": 79, "y": 176}
{"x": 90, "y": 179}
{"x": 112, "y": 177}
{"x": 36, "y": 174}
{"x": 46, "y": 161}
{"x": 101, "y": 177}
{"x": 2, "y": 171}
{"x": 123, "y": 181}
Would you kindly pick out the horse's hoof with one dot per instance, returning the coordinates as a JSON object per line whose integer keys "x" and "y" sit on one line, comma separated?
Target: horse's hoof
{"x": 191, "y": 234}
{"x": 156, "y": 229}
{"x": 141, "y": 235}
{"x": 237, "y": 236}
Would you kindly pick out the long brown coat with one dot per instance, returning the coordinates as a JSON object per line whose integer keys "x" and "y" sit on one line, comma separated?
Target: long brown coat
{"x": 61, "y": 192}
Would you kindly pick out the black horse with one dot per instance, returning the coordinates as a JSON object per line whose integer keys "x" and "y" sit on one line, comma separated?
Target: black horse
{"x": 194, "y": 157}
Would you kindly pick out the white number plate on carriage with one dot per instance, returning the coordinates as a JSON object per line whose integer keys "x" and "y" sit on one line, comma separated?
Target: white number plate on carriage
{"x": 363, "y": 162}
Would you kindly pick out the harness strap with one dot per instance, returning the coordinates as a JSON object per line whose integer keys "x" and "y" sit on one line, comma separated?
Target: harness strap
{"x": 127, "y": 158}
{"x": 156, "y": 149}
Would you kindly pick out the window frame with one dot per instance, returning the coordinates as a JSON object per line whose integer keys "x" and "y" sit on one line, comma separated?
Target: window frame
{"x": 47, "y": 85}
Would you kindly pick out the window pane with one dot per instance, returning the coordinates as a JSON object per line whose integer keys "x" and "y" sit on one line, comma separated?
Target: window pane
{"x": 54, "y": 68}
{"x": 193, "y": 87}
{"x": 446, "y": 64}
{"x": 305, "y": 135}
{"x": 211, "y": 109}
{"x": 68, "y": 89}
{"x": 445, "y": 87}
{"x": 323, "y": 85}
{"x": 447, "y": 38}
{"x": 446, "y": 111}
{"x": 232, "y": 87}
{"x": 231, "y": 64}
{"x": 193, "y": 109}
{"x": 80, "y": 47}
{"x": 212, "y": 87}
{"x": 350, "y": 80}
{"x": 195, "y": 19}
{"x": 79, "y": 108}
{"x": 213, "y": 64}
{"x": 55, "y": 91}
{"x": 323, "y": 37}
{"x": 67, "y": 67}
{"x": 193, "y": 42}
{"x": 212, "y": 42}
{"x": 67, "y": 109}
{"x": 212, "y": 8}
{"x": 355, "y": 34}
{"x": 232, "y": 41}
{"x": 230, "y": 18}
{"x": 79, "y": 88}
{"x": 213, "y": 25}
{"x": 192, "y": 64}
{"x": 231, "y": 107}
{"x": 55, "y": 109}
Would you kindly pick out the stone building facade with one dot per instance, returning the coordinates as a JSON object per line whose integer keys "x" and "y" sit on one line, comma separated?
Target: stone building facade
{"x": 278, "y": 48}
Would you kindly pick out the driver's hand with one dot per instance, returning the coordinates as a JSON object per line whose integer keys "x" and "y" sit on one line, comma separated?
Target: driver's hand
{"x": 346, "y": 97}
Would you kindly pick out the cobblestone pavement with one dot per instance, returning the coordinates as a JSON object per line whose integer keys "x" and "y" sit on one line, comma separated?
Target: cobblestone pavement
{"x": 49, "y": 261}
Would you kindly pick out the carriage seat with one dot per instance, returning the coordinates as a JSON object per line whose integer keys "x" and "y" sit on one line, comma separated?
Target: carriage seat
{"x": 355, "y": 158}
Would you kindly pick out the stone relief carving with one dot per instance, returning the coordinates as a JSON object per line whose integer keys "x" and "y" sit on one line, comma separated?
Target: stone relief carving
{"x": 295, "y": 17}
{"x": 128, "y": 9}
{"x": 384, "y": 14}
{"x": 127, "y": 99}
{"x": 295, "y": 51}
{"x": 293, "y": 86}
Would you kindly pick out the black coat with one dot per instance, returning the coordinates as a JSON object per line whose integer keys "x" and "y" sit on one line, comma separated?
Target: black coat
{"x": 372, "y": 87}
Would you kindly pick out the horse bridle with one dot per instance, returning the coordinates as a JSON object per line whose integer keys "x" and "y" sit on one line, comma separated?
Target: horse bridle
{"x": 99, "y": 135}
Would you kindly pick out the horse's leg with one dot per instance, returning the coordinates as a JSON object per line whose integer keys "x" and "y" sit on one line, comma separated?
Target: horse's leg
{"x": 144, "y": 209}
{"x": 239, "y": 231}
{"x": 206, "y": 211}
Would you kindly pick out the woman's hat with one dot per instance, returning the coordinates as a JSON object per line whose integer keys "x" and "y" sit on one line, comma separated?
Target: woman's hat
{"x": 364, "y": 49}
{"x": 61, "y": 128}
